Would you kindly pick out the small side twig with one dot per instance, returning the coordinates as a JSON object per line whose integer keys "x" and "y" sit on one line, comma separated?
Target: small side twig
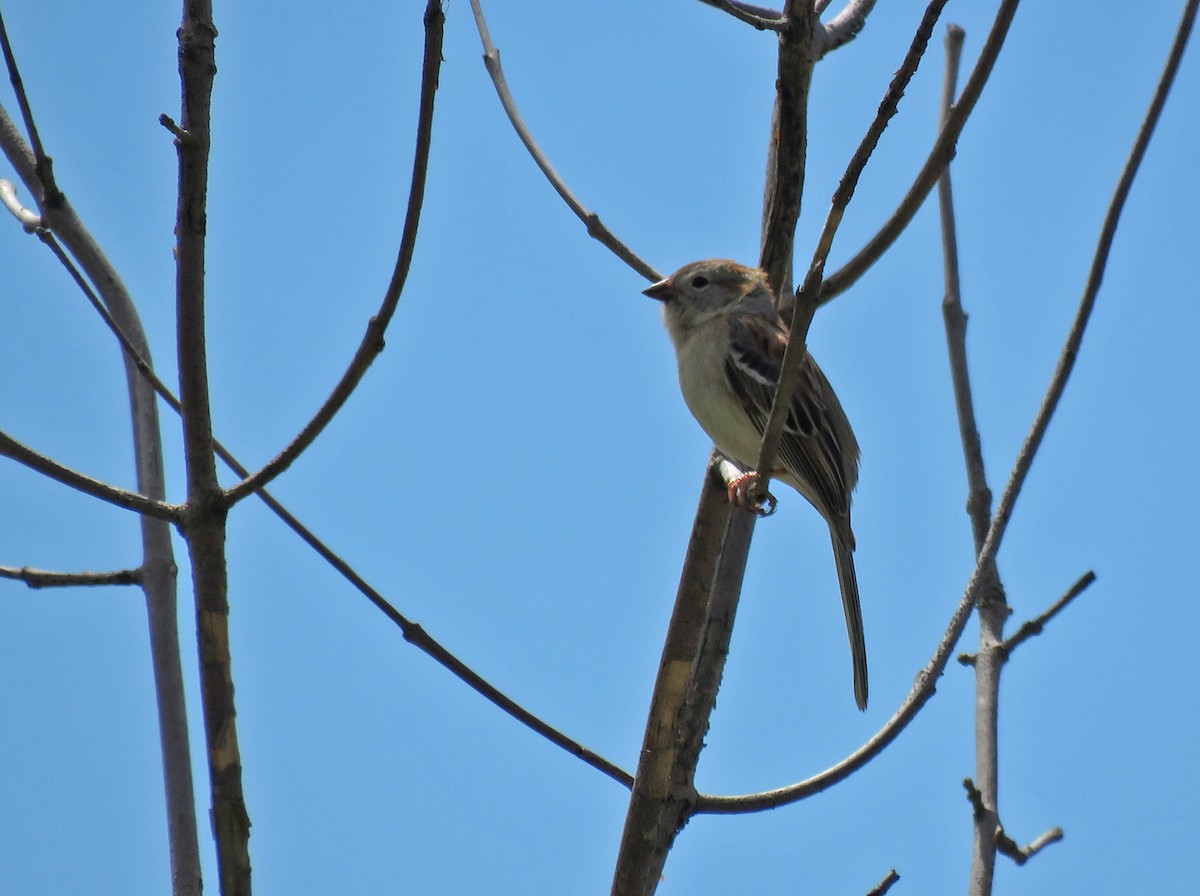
{"x": 595, "y": 228}
{"x": 1034, "y": 626}
{"x": 1005, "y": 844}
{"x": 41, "y": 578}
{"x": 884, "y": 885}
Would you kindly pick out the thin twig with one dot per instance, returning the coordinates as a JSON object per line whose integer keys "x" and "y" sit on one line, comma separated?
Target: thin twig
{"x": 884, "y": 885}
{"x": 939, "y": 157}
{"x": 23, "y": 454}
{"x": 372, "y": 341}
{"x": 595, "y": 228}
{"x": 41, "y": 578}
{"x": 789, "y": 374}
{"x": 43, "y": 164}
{"x": 1034, "y": 626}
{"x": 761, "y": 18}
{"x": 926, "y": 679}
{"x": 1022, "y": 854}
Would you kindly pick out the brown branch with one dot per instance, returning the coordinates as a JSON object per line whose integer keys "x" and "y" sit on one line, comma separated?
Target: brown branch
{"x": 203, "y": 520}
{"x": 939, "y": 157}
{"x": 760, "y": 17}
{"x": 595, "y": 228}
{"x": 372, "y": 342}
{"x": 23, "y": 454}
{"x": 41, "y": 578}
{"x": 788, "y": 147}
{"x": 806, "y": 298}
{"x": 884, "y": 885}
{"x": 685, "y": 689}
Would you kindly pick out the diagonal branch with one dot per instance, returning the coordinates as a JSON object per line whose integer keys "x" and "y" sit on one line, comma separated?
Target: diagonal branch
{"x": 372, "y": 342}
{"x": 939, "y": 157}
{"x": 1035, "y": 626}
{"x": 595, "y": 228}
{"x": 806, "y": 298}
{"x": 23, "y": 454}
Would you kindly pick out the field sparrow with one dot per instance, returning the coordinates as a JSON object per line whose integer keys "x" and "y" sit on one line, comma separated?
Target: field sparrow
{"x": 729, "y": 342}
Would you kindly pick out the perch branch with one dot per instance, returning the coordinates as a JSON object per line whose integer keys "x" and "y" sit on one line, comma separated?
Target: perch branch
{"x": 1034, "y": 626}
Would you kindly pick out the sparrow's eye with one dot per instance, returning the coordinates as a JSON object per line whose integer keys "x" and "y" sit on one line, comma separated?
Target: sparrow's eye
{"x": 699, "y": 282}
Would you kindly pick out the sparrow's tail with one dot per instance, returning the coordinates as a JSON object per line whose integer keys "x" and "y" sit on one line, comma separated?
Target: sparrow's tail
{"x": 843, "y": 556}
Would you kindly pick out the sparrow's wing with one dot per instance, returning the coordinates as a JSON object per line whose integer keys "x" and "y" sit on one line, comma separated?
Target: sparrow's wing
{"x": 817, "y": 447}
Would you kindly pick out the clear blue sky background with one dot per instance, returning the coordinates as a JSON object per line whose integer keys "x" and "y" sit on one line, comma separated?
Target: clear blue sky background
{"x": 518, "y": 472}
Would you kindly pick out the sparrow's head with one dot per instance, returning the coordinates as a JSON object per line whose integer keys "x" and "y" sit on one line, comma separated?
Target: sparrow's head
{"x": 702, "y": 290}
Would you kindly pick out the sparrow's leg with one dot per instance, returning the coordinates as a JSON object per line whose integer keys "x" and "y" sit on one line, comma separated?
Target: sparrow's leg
{"x": 744, "y": 492}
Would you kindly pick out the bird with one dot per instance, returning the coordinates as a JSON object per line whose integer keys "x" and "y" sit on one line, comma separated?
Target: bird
{"x": 729, "y": 343}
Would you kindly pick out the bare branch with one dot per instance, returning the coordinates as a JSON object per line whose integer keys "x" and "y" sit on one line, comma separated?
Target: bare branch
{"x": 923, "y": 689}
{"x": 1022, "y": 854}
{"x": 41, "y": 578}
{"x": 885, "y": 884}
{"x": 43, "y": 165}
{"x": 1034, "y": 626}
{"x": 372, "y": 342}
{"x": 788, "y": 147}
{"x": 806, "y": 298}
{"x": 939, "y": 157}
{"x": 595, "y": 229}
{"x": 23, "y": 454}
{"x": 999, "y": 839}
{"x": 846, "y": 25}
{"x": 760, "y": 17}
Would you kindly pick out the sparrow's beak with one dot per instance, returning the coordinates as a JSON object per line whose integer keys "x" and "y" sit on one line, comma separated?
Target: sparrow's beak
{"x": 660, "y": 290}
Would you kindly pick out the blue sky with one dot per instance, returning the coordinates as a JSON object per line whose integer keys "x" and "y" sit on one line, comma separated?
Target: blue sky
{"x": 518, "y": 472}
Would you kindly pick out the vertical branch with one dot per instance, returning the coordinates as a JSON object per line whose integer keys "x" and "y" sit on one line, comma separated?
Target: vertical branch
{"x": 788, "y": 145}
{"x": 701, "y": 624}
{"x": 204, "y": 516}
{"x": 158, "y": 573}
{"x": 991, "y": 602}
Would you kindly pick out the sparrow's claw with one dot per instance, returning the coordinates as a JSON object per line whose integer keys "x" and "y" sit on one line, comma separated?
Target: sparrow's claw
{"x": 744, "y": 493}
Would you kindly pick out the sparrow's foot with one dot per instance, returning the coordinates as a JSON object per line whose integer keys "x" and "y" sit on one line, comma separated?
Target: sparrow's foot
{"x": 744, "y": 492}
